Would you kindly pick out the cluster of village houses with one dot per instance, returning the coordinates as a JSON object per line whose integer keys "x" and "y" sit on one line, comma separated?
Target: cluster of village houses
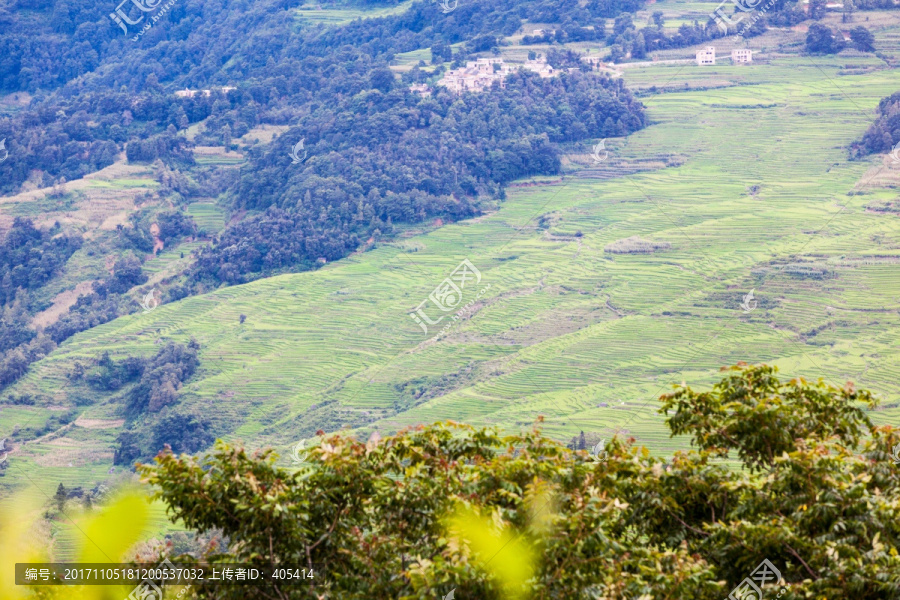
{"x": 479, "y": 75}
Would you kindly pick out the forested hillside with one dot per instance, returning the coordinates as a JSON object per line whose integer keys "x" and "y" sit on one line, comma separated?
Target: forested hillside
{"x": 325, "y": 82}
{"x": 376, "y": 155}
{"x": 383, "y": 157}
{"x": 283, "y": 71}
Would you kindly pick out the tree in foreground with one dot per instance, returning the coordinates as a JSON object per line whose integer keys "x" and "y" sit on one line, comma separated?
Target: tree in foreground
{"x": 789, "y": 472}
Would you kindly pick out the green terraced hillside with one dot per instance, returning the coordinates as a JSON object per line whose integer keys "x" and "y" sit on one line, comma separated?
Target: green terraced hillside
{"x": 743, "y": 187}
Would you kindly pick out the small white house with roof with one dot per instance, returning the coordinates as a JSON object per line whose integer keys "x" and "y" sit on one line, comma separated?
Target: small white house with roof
{"x": 707, "y": 56}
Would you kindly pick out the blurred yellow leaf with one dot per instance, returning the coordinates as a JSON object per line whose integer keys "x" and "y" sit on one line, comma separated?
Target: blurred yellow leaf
{"x": 106, "y": 536}
{"x": 17, "y": 521}
{"x": 111, "y": 532}
{"x": 505, "y": 554}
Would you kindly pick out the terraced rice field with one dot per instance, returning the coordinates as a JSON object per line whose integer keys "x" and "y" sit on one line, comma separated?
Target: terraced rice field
{"x": 208, "y": 216}
{"x": 216, "y": 155}
{"x": 100, "y": 200}
{"x": 750, "y": 185}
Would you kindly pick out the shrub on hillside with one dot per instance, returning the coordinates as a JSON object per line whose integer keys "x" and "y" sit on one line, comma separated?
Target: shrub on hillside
{"x": 30, "y": 257}
{"x": 450, "y": 507}
{"x": 157, "y": 382}
{"x": 820, "y": 39}
{"x": 182, "y": 432}
{"x": 162, "y": 377}
{"x": 862, "y": 39}
{"x": 884, "y": 133}
{"x": 169, "y": 147}
{"x": 109, "y": 375}
{"x": 174, "y": 225}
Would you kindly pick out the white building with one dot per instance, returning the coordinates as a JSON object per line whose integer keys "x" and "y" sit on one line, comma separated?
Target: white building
{"x": 707, "y": 56}
{"x": 420, "y": 89}
{"x": 741, "y": 55}
{"x": 540, "y": 67}
{"x": 484, "y": 65}
{"x": 186, "y": 93}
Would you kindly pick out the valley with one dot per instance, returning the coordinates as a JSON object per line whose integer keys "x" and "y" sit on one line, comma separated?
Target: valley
{"x": 737, "y": 226}
{"x": 761, "y": 197}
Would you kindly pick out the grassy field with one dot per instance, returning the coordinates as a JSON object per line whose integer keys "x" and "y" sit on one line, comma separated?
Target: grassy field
{"x": 748, "y": 183}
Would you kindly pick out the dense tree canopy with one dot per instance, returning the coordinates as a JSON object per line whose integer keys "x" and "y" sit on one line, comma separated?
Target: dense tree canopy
{"x": 451, "y": 507}
{"x": 380, "y": 158}
{"x": 884, "y": 133}
{"x": 29, "y": 257}
{"x": 862, "y": 38}
{"x": 111, "y": 90}
{"x": 821, "y": 39}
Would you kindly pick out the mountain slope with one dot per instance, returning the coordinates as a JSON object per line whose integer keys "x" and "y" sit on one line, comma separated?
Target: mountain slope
{"x": 565, "y": 329}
